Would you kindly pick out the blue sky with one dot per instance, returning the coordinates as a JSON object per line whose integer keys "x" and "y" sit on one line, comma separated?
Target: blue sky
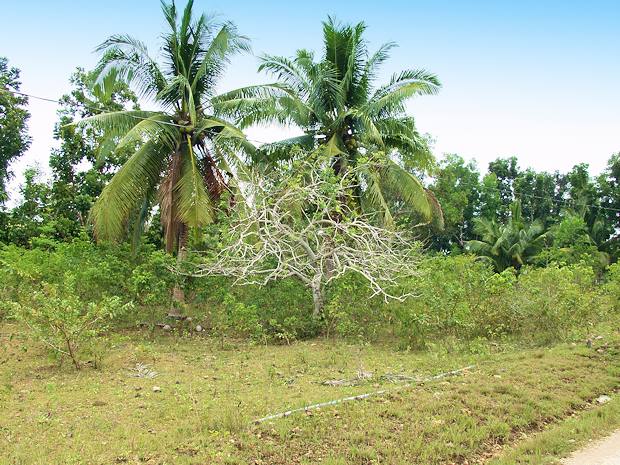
{"x": 535, "y": 79}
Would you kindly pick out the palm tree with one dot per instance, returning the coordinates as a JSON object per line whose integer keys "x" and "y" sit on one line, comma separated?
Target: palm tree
{"x": 513, "y": 244}
{"x": 181, "y": 154}
{"x": 335, "y": 102}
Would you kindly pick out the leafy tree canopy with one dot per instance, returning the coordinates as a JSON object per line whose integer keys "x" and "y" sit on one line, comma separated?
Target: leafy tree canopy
{"x": 14, "y": 139}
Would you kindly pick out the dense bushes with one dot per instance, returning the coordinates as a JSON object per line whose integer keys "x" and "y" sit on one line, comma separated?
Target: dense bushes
{"x": 611, "y": 288}
{"x": 71, "y": 294}
{"x": 68, "y": 326}
{"x": 98, "y": 270}
{"x": 463, "y": 298}
{"x": 457, "y": 297}
{"x": 279, "y": 311}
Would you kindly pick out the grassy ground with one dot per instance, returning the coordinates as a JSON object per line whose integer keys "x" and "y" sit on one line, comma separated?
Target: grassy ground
{"x": 578, "y": 431}
{"x": 207, "y": 397}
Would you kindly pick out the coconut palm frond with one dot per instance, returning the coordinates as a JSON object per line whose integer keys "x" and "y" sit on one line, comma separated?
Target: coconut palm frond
{"x": 127, "y": 189}
{"x": 155, "y": 127}
{"x": 129, "y": 59}
{"x": 514, "y": 243}
{"x": 408, "y": 187}
{"x": 194, "y": 203}
{"x": 117, "y": 123}
{"x": 373, "y": 198}
{"x": 196, "y": 50}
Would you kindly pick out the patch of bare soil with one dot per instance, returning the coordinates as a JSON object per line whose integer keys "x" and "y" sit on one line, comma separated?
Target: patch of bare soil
{"x": 603, "y": 452}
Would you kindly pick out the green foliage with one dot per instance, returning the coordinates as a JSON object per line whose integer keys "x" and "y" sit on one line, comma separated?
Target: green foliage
{"x": 506, "y": 171}
{"x": 242, "y": 319}
{"x": 457, "y": 188}
{"x": 611, "y": 287}
{"x": 609, "y": 186}
{"x": 455, "y": 298}
{"x": 14, "y": 139}
{"x": 67, "y": 325}
{"x": 491, "y": 205}
{"x": 512, "y": 244}
{"x": 149, "y": 286}
{"x": 178, "y": 155}
{"x": 545, "y": 198}
{"x": 556, "y": 300}
{"x": 462, "y": 298}
{"x": 540, "y": 194}
{"x": 151, "y": 280}
{"x": 30, "y": 218}
{"x": 572, "y": 244}
{"x": 84, "y": 162}
{"x": 448, "y": 293}
{"x": 58, "y": 209}
{"x": 68, "y": 294}
{"x": 279, "y": 311}
{"x": 335, "y": 101}
{"x": 99, "y": 271}
{"x": 352, "y": 312}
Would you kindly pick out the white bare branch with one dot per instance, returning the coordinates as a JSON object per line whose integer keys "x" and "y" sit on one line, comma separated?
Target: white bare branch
{"x": 302, "y": 225}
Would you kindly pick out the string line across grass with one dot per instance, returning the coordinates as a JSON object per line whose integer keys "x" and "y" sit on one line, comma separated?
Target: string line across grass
{"x": 381, "y": 392}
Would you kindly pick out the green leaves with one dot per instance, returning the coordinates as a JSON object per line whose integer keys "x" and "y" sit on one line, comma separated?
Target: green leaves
{"x": 196, "y": 51}
{"x": 65, "y": 324}
{"x": 127, "y": 189}
{"x": 226, "y": 42}
{"x": 332, "y": 100}
{"x": 401, "y": 87}
{"x": 156, "y": 127}
{"x": 14, "y": 139}
{"x": 514, "y": 243}
{"x": 128, "y": 59}
{"x": 194, "y": 204}
{"x": 383, "y": 177}
{"x": 118, "y": 123}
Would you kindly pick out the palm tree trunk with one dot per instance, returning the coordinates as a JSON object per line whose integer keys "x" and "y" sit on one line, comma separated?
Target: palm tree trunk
{"x": 178, "y": 294}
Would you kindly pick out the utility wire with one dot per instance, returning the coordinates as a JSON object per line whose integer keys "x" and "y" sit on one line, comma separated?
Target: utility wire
{"x": 98, "y": 110}
{"x": 45, "y": 99}
{"x": 566, "y": 201}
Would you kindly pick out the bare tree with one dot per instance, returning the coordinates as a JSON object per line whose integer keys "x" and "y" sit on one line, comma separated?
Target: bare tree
{"x": 300, "y": 224}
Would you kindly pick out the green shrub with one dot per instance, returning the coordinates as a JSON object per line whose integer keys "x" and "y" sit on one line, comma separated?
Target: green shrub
{"x": 493, "y": 316}
{"x": 461, "y": 298}
{"x": 281, "y": 309}
{"x": 68, "y": 294}
{"x": 611, "y": 288}
{"x": 150, "y": 283}
{"x": 242, "y": 319}
{"x": 66, "y": 325}
{"x": 352, "y": 311}
{"x": 446, "y": 294}
{"x": 99, "y": 270}
{"x": 456, "y": 298}
{"x": 548, "y": 304}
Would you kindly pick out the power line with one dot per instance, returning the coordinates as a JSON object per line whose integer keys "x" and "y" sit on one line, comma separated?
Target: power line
{"x": 28, "y": 95}
{"x": 98, "y": 110}
{"x": 566, "y": 201}
{"x": 45, "y": 99}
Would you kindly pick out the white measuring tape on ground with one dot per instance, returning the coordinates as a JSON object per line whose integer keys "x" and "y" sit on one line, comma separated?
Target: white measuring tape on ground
{"x": 307, "y": 408}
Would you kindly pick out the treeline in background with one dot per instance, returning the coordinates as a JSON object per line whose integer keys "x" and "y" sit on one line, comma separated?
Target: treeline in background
{"x": 88, "y": 245}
